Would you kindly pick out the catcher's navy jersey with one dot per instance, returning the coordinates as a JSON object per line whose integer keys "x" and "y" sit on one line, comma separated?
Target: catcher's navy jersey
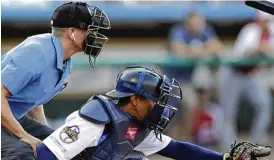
{"x": 33, "y": 72}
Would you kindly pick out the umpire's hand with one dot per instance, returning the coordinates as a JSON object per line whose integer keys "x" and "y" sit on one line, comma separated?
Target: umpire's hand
{"x": 32, "y": 141}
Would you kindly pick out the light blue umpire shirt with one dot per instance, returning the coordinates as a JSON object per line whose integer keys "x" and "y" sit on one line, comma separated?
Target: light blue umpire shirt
{"x": 33, "y": 72}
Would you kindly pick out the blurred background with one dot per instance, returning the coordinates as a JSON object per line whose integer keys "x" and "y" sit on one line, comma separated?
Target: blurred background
{"x": 221, "y": 52}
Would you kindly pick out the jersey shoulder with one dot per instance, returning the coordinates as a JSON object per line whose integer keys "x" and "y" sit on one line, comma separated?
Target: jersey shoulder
{"x": 94, "y": 111}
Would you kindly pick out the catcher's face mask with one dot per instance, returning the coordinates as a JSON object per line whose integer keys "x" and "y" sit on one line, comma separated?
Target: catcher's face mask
{"x": 162, "y": 113}
{"x": 94, "y": 40}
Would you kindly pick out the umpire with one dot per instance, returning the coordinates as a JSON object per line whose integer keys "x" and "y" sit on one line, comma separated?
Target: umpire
{"x": 36, "y": 70}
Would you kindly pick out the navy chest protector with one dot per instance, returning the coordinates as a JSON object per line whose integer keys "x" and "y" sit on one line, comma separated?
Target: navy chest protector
{"x": 124, "y": 132}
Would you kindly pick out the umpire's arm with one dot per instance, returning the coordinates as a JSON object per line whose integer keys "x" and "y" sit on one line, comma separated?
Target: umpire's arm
{"x": 7, "y": 119}
{"x": 38, "y": 114}
{"x": 20, "y": 69}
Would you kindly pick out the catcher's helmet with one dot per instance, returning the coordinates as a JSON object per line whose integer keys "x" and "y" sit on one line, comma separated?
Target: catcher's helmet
{"x": 147, "y": 83}
{"x": 83, "y": 16}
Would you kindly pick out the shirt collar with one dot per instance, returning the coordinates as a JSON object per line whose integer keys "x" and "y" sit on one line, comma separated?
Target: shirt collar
{"x": 59, "y": 51}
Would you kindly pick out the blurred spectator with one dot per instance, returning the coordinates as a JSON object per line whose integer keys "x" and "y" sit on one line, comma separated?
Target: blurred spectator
{"x": 207, "y": 119}
{"x": 193, "y": 38}
{"x": 255, "y": 39}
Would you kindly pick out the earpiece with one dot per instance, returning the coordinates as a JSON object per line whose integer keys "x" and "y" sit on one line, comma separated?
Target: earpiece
{"x": 73, "y": 37}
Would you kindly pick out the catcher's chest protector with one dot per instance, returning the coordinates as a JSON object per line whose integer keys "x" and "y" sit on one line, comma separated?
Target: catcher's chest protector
{"x": 124, "y": 132}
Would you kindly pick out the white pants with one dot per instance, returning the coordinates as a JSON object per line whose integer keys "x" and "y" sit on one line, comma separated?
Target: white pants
{"x": 232, "y": 86}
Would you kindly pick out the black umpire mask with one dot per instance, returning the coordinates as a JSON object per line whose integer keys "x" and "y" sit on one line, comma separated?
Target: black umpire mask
{"x": 86, "y": 17}
{"x": 94, "y": 40}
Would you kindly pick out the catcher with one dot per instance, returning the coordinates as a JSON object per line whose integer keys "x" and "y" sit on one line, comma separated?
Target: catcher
{"x": 110, "y": 129}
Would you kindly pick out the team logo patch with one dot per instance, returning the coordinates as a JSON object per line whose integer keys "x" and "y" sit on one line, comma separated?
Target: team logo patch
{"x": 69, "y": 134}
{"x": 131, "y": 133}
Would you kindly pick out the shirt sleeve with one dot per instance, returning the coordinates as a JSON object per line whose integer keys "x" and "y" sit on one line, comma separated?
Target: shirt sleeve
{"x": 176, "y": 34}
{"x": 209, "y": 33}
{"x": 73, "y": 137}
{"x": 15, "y": 78}
{"x": 151, "y": 144}
{"x": 246, "y": 39}
{"x": 24, "y": 65}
